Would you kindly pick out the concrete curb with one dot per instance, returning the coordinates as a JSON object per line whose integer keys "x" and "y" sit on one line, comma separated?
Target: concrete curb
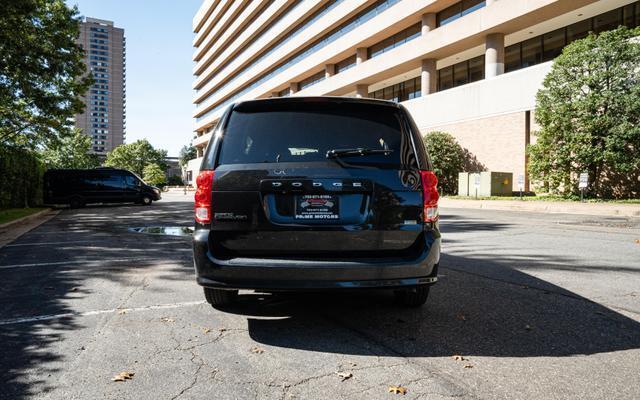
{"x": 25, "y": 219}
{"x": 551, "y": 207}
{"x": 10, "y": 231}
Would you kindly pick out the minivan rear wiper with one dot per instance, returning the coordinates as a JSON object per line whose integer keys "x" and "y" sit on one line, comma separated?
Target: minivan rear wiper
{"x": 360, "y": 151}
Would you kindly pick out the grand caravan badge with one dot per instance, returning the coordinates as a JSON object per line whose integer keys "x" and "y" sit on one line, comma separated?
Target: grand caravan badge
{"x": 317, "y": 207}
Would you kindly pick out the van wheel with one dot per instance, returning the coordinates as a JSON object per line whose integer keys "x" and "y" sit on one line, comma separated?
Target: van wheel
{"x": 146, "y": 200}
{"x": 413, "y": 297}
{"x": 76, "y": 202}
{"x": 220, "y": 297}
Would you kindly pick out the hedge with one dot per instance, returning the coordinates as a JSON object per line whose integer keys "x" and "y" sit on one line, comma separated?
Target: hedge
{"x": 21, "y": 173}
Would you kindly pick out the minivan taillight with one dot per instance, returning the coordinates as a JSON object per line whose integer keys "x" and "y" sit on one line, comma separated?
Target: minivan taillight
{"x": 204, "y": 183}
{"x": 430, "y": 195}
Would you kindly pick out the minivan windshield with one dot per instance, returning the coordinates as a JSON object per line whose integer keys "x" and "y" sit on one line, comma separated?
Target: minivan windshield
{"x": 305, "y": 132}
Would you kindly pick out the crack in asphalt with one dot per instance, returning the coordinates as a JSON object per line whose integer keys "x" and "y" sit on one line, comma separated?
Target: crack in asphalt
{"x": 446, "y": 378}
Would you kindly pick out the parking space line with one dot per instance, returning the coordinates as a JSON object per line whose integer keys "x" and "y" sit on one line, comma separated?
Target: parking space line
{"x": 85, "y": 262}
{"x": 13, "y": 321}
{"x": 47, "y": 243}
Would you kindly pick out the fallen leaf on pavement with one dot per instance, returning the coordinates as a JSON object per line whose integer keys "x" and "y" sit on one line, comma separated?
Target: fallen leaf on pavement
{"x": 167, "y": 319}
{"x": 458, "y": 357}
{"x": 122, "y": 312}
{"x": 461, "y": 317}
{"x": 637, "y": 241}
{"x": 468, "y": 366}
{"x": 257, "y": 350}
{"x": 344, "y": 375}
{"x": 206, "y": 330}
{"x": 397, "y": 390}
{"x": 123, "y": 376}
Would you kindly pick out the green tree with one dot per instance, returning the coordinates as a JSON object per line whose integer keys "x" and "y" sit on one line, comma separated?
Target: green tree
{"x": 174, "y": 180}
{"x": 447, "y": 157}
{"x": 154, "y": 175}
{"x": 187, "y": 153}
{"x": 589, "y": 113}
{"x": 42, "y": 73}
{"x": 136, "y": 156}
{"x": 70, "y": 152}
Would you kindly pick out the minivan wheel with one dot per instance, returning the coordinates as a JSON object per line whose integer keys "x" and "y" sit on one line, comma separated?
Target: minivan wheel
{"x": 413, "y": 297}
{"x": 220, "y": 297}
{"x": 146, "y": 200}
{"x": 76, "y": 202}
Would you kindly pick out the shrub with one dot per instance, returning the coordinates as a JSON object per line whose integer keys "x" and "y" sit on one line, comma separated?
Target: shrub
{"x": 21, "y": 173}
{"x": 448, "y": 159}
{"x": 154, "y": 175}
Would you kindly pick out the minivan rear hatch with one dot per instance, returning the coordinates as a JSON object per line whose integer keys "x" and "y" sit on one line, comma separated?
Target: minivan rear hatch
{"x": 315, "y": 178}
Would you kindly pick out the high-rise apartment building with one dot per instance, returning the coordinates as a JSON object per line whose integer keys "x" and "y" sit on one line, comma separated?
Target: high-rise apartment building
{"x": 104, "y": 116}
{"x": 471, "y": 67}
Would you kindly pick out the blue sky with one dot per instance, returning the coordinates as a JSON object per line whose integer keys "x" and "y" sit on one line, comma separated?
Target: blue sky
{"x": 159, "y": 66}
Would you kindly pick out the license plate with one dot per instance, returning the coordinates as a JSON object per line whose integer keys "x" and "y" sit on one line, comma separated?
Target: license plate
{"x": 316, "y": 207}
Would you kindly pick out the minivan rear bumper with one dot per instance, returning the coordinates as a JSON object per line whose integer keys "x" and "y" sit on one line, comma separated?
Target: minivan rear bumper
{"x": 288, "y": 274}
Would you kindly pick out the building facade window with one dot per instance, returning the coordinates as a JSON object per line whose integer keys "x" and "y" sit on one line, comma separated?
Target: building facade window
{"x": 359, "y": 19}
{"x": 345, "y": 64}
{"x": 458, "y": 10}
{"x": 284, "y": 92}
{"x": 394, "y": 41}
{"x": 312, "y": 80}
{"x": 407, "y": 90}
{"x": 461, "y": 73}
{"x": 548, "y": 46}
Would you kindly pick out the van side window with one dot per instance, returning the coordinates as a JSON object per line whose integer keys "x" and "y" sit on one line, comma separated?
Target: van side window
{"x": 131, "y": 181}
{"x": 113, "y": 181}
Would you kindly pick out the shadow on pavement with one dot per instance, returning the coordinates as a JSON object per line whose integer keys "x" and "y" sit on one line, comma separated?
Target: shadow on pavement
{"x": 465, "y": 314}
{"x": 84, "y": 244}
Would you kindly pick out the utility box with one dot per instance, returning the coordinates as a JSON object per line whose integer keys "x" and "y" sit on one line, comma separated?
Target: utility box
{"x": 463, "y": 184}
{"x": 485, "y": 184}
{"x": 496, "y": 184}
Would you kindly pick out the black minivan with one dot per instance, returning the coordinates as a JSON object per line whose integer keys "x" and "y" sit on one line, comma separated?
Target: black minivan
{"x": 316, "y": 193}
{"x": 78, "y": 187}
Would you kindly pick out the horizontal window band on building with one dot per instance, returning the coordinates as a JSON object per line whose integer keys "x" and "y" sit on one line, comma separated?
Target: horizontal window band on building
{"x": 255, "y": 37}
{"x": 461, "y": 73}
{"x": 407, "y": 90}
{"x": 548, "y": 46}
{"x": 284, "y": 92}
{"x": 212, "y": 36}
{"x": 362, "y": 17}
{"x": 270, "y": 49}
{"x": 312, "y": 80}
{"x": 458, "y": 10}
{"x": 346, "y": 64}
{"x": 539, "y": 49}
{"x": 400, "y": 38}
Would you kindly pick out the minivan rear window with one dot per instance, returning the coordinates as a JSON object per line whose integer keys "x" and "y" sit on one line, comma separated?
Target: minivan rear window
{"x": 304, "y": 132}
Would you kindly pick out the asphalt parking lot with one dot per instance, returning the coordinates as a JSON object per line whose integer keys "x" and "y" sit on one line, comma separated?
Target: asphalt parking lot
{"x": 535, "y": 306}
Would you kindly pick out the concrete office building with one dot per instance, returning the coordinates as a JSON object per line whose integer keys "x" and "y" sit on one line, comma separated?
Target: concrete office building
{"x": 471, "y": 68}
{"x": 104, "y": 115}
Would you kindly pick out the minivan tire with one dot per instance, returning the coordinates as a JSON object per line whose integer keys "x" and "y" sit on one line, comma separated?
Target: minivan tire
{"x": 76, "y": 202}
{"x": 220, "y": 297}
{"x": 413, "y": 297}
{"x": 146, "y": 200}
